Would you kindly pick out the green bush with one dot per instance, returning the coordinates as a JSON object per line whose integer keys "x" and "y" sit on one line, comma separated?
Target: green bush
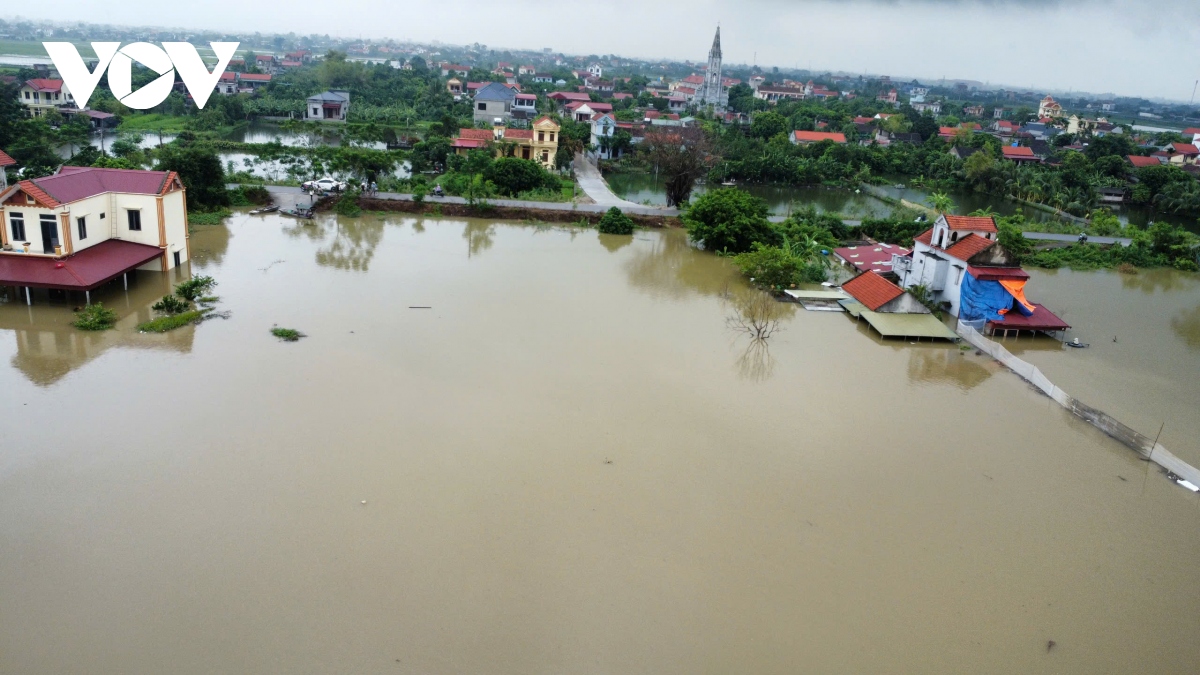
{"x": 615, "y": 222}
{"x": 287, "y": 334}
{"x": 729, "y": 220}
{"x": 172, "y": 321}
{"x": 347, "y": 204}
{"x": 194, "y": 288}
{"x": 208, "y": 217}
{"x": 95, "y": 317}
{"x": 774, "y": 267}
{"x": 171, "y": 304}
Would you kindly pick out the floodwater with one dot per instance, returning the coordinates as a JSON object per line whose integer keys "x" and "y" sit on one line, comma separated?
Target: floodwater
{"x": 569, "y": 463}
{"x": 644, "y": 188}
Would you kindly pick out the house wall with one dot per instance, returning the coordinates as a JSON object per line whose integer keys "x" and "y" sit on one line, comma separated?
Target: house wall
{"x": 487, "y": 111}
{"x": 33, "y": 226}
{"x": 925, "y": 272}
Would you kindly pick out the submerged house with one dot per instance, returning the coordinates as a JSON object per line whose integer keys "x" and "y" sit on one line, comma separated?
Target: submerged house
{"x": 84, "y": 226}
{"x": 960, "y": 263}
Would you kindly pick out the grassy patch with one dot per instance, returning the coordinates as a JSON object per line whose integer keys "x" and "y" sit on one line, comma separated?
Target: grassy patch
{"x": 287, "y": 334}
{"x": 35, "y": 48}
{"x": 170, "y": 322}
{"x": 153, "y": 122}
{"x": 208, "y": 217}
{"x": 95, "y": 317}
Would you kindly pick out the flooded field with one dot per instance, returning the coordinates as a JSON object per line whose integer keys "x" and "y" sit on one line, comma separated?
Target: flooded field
{"x": 569, "y": 463}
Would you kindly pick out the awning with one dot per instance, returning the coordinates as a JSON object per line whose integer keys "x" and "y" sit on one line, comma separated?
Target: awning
{"x": 1040, "y": 319}
{"x": 908, "y": 325}
{"x": 91, "y": 267}
{"x": 997, "y": 273}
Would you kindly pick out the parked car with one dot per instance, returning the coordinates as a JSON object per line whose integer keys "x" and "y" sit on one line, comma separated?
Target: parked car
{"x": 324, "y": 185}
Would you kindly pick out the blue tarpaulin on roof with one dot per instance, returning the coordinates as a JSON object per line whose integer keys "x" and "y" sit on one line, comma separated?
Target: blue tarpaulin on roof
{"x": 983, "y": 300}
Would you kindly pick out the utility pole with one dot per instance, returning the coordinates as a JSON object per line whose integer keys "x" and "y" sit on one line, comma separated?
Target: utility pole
{"x": 1194, "y": 92}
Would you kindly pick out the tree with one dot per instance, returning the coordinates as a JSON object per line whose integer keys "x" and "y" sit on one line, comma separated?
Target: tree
{"x": 201, "y": 172}
{"x": 513, "y": 176}
{"x": 729, "y": 220}
{"x": 941, "y": 202}
{"x": 615, "y": 222}
{"x": 765, "y": 125}
{"x": 1012, "y": 240}
{"x": 979, "y": 166}
{"x": 681, "y": 155}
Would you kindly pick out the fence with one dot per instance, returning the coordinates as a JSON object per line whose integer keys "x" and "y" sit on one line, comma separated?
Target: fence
{"x": 1143, "y": 445}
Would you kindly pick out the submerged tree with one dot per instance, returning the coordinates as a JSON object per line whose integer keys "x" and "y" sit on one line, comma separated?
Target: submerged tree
{"x": 682, "y": 155}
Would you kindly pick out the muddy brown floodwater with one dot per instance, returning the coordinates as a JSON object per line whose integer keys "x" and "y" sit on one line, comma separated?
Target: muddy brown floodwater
{"x": 569, "y": 463}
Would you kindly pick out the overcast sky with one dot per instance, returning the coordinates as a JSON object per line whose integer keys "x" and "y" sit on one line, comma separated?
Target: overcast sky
{"x": 1131, "y": 47}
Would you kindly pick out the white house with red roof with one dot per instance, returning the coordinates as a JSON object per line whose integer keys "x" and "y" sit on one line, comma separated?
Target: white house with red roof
{"x": 84, "y": 226}
{"x": 42, "y": 95}
{"x": 604, "y": 125}
{"x": 5, "y": 163}
{"x": 1049, "y": 108}
{"x": 962, "y": 265}
{"x": 1183, "y": 153}
{"x": 940, "y": 256}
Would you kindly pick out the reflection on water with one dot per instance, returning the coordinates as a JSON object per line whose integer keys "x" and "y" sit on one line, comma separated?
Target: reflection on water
{"x": 479, "y": 236}
{"x": 948, "y": 365}
{"x": 1186, "y": 325}
{"x": 670, "y": 267}
{"x": 351, "y": 243}
{"x": 48, "y": 347}
{"x": 563, "y": 450}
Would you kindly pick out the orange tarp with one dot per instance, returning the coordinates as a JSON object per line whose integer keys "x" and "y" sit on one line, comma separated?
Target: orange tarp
{"x": 1017, "y": 289}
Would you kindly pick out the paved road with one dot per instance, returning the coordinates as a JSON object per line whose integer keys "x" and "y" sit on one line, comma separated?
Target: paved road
{"x": 1072, "y": 238}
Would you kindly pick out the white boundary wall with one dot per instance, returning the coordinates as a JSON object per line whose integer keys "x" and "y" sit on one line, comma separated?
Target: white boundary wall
{"x": 1142, "y": 444}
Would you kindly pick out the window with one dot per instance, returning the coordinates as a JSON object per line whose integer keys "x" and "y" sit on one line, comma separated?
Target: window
{"x": 551, "y": 136}
{"x": 26, "y": 96}
{"x": 483, "y": 106}
{"x": 81, "y": 225}
{"x": 18, "y": 227}
{"x": 541, "y": 136}
{"x": 135, "y": 220}
{"x": 954, "y": 236}
{"x": 101, "y": 216}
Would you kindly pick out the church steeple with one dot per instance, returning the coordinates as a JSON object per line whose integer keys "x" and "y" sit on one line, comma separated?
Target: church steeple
{"x": 713, "y": 92}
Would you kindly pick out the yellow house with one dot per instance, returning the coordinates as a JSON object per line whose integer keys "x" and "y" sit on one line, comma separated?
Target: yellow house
{"x": 538, "y": 143}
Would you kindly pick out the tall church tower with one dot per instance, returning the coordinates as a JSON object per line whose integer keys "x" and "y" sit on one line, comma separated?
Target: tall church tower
{"x": 714, "y": 94}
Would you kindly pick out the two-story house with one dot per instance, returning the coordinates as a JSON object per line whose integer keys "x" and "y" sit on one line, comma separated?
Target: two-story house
{"x": 494, "y": 102}
{"x": 538, "y": 143}
{"x": 43, "y": 95}
{"x": 85, "y": 226}
{"x": 604, "y": 125}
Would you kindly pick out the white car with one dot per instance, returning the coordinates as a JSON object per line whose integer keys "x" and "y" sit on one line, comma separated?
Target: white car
{"x": 324, "y": 185}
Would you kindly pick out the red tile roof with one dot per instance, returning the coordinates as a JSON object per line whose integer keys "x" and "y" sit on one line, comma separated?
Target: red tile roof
{"x": 5, "y": 160}
{"x": 816, "y": 136}
{"x": 976, "y": 223}
{"x": 968, "y": 246}
{"x": 1019, "y": 151}
{"x": 877, "y": 257}
{"x": 1143, "y": 161}
{"x": 91, "y": 267}
{"x": 519, "y": 134}
{"x": 256, "y": 77}
{"x": 1185, "y": 149}
{"x": 569, "y": 96}
{"x": 38, "y": 194}
{"x": 925, "y": 237}
{"x": 1191, "y": 131}
{"x": 872, "y": 290}
{"x": 476, "y": 134}
{"x": 45, "y": 84}
{"x": 73, "y": 183}
{"x": 467, "y": 143}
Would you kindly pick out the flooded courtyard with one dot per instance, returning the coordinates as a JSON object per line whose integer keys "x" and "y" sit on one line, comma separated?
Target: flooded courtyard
{"x": 514, "y": 448}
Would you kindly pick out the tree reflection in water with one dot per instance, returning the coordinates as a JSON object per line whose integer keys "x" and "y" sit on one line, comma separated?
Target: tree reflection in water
{"x": 671, "y": 268}
{"x": 353, "y": 244}
{"x": 615, "y": 242}
{"x": 479, "y": 236}
{"x": 1187, "y": 326}
{"x": 756, "y": 316}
